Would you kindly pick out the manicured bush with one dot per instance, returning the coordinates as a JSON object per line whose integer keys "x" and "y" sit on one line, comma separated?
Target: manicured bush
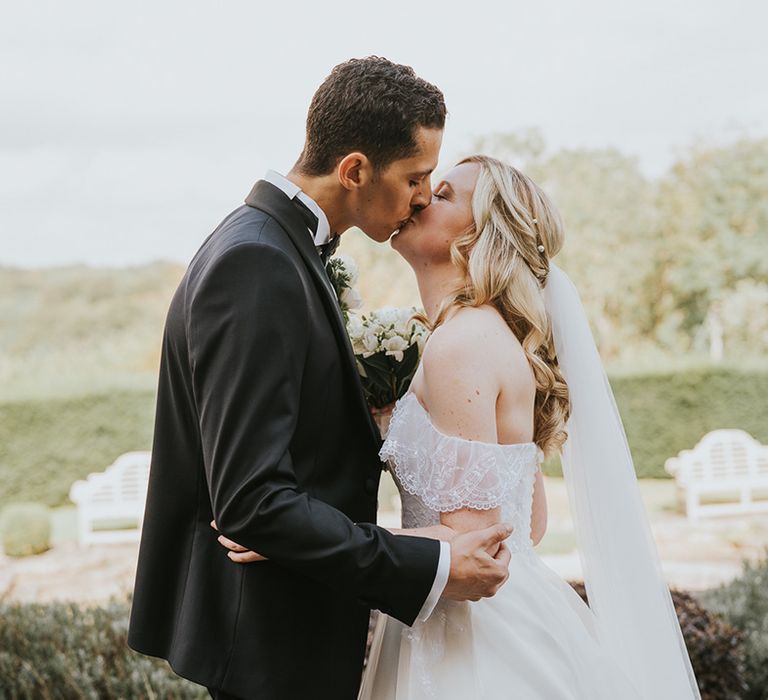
{"x": 716, "y": 648}
{"x": 26, "y": 529}
{"x": 62, "y": 651}
{"x": 744, "y": 603}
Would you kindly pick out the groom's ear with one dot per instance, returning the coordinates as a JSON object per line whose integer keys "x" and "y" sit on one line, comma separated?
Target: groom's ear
{"x": 354, "y": 171}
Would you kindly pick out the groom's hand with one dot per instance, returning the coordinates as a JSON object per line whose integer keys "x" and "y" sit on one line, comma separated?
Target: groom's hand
{"x": 479, "y": 563}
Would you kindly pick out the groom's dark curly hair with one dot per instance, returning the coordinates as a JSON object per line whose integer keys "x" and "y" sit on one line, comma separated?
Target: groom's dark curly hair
{"x": 369, "y": 105}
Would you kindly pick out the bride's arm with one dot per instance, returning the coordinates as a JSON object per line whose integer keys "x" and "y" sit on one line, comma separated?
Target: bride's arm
{"x": 435, "y": 532}
{"x": 465, "y": 367}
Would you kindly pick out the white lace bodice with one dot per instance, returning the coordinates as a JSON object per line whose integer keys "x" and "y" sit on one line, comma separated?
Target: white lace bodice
{"x": 438, "y": 473}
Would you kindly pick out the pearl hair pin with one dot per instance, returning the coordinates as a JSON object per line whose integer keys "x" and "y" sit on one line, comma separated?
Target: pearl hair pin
{"x": 541, "y": 248}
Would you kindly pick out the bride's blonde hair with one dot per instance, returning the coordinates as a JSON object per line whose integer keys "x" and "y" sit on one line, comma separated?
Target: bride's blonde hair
{"x": 505, "y": 261}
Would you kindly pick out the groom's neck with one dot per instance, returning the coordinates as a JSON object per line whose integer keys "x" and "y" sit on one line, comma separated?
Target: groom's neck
{"x": 328, "y": 194}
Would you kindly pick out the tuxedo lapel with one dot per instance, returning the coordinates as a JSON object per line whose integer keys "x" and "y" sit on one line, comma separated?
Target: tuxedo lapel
{"x": 270, "y": 199}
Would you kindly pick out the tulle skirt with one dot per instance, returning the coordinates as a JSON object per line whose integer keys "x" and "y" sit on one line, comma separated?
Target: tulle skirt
{"x": 534, "y": 640}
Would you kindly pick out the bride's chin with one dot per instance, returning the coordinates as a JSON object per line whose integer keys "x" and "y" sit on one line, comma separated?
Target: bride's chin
{"x": 399, "y": 236}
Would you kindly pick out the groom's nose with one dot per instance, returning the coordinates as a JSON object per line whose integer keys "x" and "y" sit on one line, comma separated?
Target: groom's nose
{"x": 423, "y": 196}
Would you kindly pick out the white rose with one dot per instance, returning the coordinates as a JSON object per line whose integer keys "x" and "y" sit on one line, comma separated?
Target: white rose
{"x": 395, "y": 347}
{"x": 355, "y": 327}
{"x": 351, "y": 298}
{"x": 387, "y": 316}
{"x": 370, "y": 343}
{"x": 404, "y": 321}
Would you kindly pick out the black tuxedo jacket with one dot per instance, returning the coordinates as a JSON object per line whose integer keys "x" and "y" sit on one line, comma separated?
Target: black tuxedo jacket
{"x": 261, "y": 424}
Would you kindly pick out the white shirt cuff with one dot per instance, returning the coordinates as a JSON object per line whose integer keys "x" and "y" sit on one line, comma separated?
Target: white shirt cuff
{"x": 441, "y": 579}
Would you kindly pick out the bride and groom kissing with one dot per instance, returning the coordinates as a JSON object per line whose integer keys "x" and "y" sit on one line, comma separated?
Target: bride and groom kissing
{"x": 262, "y": 428}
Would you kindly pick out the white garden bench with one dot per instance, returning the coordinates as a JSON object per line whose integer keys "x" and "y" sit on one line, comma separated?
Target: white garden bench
{"x": 110, "y": 504}
{"x": 727, "y": 464}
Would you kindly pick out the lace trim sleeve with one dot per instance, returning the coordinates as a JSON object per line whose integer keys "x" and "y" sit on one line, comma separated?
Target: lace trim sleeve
{"x": 448, "y": 472}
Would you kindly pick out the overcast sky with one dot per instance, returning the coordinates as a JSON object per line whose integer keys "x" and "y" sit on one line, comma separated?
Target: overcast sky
{"x": 128, "y": 130}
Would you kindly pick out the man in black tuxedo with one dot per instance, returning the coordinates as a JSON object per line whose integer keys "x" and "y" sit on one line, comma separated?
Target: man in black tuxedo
{"x": 262, "y": 426}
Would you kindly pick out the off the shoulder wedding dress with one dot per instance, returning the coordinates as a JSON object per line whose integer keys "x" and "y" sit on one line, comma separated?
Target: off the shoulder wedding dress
{"x": 535, "y": 639}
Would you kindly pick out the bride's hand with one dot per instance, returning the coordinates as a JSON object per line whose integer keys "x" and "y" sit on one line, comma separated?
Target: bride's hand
{"x": 237, "y": 553}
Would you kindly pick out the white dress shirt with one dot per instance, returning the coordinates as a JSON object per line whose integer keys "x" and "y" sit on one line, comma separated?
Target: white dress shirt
{"x": 322, "y": 236}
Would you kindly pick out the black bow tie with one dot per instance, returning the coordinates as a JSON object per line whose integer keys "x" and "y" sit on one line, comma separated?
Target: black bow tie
{"x": 324, "y": 249}
{"x": 328, "y": 249}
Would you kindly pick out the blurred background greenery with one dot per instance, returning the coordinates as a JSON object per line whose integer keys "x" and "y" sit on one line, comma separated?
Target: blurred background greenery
{"x": 673, "y": 272}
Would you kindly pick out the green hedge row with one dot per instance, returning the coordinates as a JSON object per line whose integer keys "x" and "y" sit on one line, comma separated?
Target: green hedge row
{"x": 665, "y": 413}
{"x": 46, "y": 445}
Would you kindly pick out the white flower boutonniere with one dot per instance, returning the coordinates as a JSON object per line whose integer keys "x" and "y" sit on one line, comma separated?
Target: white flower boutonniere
{"x": 343, "y": 273}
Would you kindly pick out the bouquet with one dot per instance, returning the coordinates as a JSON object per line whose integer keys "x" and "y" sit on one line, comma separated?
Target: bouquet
{"x": 387, "y": 342}
{"x": 387, "y": 345}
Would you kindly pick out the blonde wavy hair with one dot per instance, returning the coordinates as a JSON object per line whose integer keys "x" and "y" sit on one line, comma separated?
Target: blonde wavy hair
{"x": 503, "y": 267}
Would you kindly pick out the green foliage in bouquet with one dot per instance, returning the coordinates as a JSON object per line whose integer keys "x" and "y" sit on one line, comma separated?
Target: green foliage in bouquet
{"x": 64, "y": 650}
{"x": 388, "y": 345}
{"x": 26, "y": 529}
{"x": 744, "y": 603}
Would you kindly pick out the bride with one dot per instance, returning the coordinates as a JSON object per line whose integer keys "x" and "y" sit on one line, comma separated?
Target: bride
{"x": 510, "y": 374}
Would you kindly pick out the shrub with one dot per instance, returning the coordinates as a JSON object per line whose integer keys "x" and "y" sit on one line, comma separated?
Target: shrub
{"x": 26, "y": 529}
{"x": 715, "y": 648}
{"x": 744, "y": 603}
{"x": 62, "y": 651}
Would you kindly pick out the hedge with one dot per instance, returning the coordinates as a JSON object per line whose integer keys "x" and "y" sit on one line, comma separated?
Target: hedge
{"x": 46, "y": 445}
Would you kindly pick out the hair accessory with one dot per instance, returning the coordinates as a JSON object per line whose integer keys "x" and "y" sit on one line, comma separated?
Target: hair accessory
{"x": 541, "y": 247}
{"x": 535, "y": 221}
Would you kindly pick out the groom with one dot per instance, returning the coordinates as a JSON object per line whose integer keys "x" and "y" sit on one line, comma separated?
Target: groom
{"x": 261, "y": 424}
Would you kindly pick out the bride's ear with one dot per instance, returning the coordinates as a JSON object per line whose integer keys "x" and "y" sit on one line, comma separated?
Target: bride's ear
{"x": 354, "y": 171}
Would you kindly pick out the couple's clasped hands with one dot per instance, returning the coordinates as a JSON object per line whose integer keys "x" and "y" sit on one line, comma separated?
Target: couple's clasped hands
{"x": 479, "y": 558}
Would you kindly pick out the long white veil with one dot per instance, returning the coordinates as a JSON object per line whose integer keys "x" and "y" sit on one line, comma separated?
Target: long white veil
{"x": 635, "y": 617}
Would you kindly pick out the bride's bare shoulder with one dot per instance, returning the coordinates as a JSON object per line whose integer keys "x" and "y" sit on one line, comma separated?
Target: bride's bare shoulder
{"x": 478, "y": 343}
{"x": 475, "y": 331}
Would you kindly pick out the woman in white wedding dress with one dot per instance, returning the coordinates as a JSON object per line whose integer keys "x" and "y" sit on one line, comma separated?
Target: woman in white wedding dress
{"x": 465, "y": 446}
{"x": 509, "y": 375}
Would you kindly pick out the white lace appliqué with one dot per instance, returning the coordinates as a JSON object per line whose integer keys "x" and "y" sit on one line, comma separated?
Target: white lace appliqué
{"x": 447, "y": 472}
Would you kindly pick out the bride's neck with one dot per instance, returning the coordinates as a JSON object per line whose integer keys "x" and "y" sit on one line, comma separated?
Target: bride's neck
{"x": 436, "y": 282}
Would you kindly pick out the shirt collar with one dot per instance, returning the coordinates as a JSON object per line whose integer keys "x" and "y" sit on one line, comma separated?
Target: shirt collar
{"x": 292, "y": 190}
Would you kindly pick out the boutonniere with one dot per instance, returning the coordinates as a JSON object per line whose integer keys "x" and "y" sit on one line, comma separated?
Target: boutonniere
{"x": 343, "y": 273}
